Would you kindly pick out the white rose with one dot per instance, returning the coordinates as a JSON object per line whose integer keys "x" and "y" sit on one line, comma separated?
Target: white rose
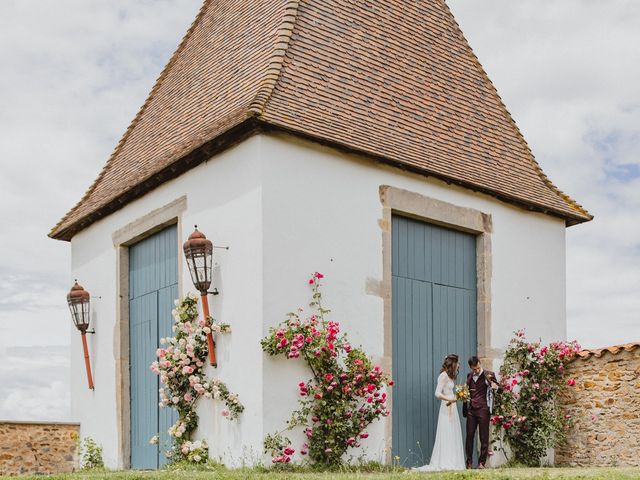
{"x": 197, "y": 458}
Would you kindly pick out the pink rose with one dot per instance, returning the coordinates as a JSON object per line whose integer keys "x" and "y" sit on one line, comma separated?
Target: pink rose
{"x": 225, "y": 413}
{"x": 289, "y": 451}
{"x": 188, "y": 397}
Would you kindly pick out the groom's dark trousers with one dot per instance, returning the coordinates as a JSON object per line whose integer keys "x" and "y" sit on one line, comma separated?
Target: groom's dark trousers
{"x": 477, "y": 418}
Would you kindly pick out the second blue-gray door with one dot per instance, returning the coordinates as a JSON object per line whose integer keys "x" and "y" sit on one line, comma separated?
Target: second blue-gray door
{"x": 153, "y": 287}
{"x": 434, "y": 314}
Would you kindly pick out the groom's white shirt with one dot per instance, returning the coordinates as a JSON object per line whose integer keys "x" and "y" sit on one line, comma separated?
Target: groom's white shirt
{"x": 476, "y": 377}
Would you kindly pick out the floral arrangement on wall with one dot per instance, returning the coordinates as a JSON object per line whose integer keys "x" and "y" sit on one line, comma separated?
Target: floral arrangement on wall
{"x": 528, "y": 416}
{"x": 181, "y": 367}
{"x": 344, "y": 395}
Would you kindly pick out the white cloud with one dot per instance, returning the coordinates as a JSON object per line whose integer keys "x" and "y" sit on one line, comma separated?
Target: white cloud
{"x": 74, "y": 74}
{"x": 34, "y": 383}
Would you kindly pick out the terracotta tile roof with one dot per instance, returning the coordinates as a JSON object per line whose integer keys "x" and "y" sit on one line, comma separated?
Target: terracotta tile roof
{"x": 392, "y": 80}
{"x": 598, "y": 352}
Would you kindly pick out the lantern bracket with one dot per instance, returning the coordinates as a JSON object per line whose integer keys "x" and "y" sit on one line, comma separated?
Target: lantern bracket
{"x": 214, "y": 292}
{"x": 90, "y": 331}
{"x": 224, "y": 248}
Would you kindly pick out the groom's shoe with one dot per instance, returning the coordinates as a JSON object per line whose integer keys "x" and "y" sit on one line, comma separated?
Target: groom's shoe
{"x": 469, "y": 466}
{"x": 481, "y": 465}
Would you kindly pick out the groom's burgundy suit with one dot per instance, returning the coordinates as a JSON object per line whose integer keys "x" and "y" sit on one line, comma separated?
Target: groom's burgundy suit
{"x": 478, "y": 414}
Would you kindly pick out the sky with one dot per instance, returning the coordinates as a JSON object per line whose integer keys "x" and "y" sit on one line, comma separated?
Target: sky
{"x": 74, "y": 73}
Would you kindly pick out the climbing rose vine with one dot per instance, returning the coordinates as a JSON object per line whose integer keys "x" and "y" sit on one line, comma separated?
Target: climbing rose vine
{"x": 527, "y": 413}
{"x": 181, "y": 367}
{"x": 343, "y": 396}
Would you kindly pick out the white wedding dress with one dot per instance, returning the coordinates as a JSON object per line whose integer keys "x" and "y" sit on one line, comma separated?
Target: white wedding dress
{"x": 448, "y": 451}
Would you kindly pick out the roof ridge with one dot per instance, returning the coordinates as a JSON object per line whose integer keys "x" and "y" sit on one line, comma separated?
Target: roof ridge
{"x": 543, "y": 176}
{"x": 281, "y": 45}
{"x": 136, "y": 119}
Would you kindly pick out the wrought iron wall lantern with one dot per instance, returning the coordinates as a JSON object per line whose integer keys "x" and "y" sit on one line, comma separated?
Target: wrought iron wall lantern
{"x": 79, "y": 305}
{"x": 198, "y": 252}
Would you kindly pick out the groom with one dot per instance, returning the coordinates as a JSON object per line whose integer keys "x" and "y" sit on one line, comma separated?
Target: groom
{"x": 482, "y": 384}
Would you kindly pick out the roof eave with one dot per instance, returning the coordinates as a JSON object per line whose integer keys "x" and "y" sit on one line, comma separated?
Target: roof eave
{"x": 253, "y": 125}
{"x": 570, "y": 219}
{"x": 204, "y": 152}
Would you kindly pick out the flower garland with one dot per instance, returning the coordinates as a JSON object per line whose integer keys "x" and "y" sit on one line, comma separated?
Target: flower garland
{"x": 181, "y": 367}
{"x": 343, "y": 397}
{"x": 527, "y": 414}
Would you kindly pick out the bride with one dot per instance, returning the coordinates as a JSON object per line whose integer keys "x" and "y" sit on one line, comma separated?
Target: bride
{"x": 448, "y": 452}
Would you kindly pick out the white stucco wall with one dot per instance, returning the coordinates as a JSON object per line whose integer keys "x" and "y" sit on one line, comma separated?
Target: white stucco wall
{"x": 321, "y": 213}
{"x": 286, "y": 208}
{"x": 224, "y": 200}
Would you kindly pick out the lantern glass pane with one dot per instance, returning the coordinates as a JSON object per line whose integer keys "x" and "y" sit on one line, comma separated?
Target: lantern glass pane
{"x": 80, "y": 313}
{"x": 200, "y": 261}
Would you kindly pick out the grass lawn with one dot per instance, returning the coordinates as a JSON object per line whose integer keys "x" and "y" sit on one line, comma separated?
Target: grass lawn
{"x": 495, "y": 474}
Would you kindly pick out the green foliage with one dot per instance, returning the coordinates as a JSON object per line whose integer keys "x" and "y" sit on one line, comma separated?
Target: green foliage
{"x": 187, "y": 472}
{"x": 90, "y": 454}
{"x": 527, "y": 414}
{"x": 343, "y": 396}
{"x": 181, "y": 367}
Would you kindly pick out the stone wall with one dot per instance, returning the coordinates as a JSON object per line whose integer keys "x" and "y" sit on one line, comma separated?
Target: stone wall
{"x": 38, "y": 448}
{"x": 605, "y": 408}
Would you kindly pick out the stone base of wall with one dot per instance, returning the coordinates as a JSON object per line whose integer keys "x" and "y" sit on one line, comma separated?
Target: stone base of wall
{"x": 605, "y": 408}
{"x": 38, "y": 448}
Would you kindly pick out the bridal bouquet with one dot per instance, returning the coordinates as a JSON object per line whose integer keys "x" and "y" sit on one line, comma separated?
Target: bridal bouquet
{"x": 462, "y": 393}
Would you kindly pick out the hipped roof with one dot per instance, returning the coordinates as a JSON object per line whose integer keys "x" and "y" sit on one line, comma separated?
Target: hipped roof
{"x": 395, "y": 81}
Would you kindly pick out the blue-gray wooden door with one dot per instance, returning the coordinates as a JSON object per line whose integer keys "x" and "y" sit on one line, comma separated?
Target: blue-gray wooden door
{"x": 153, "y": 287}
{"x": 434, "y": 314}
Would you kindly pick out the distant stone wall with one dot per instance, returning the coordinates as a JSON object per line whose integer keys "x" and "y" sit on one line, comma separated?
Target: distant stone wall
{"x": 38, "y": 448}
{"x": 605, "y": 406}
